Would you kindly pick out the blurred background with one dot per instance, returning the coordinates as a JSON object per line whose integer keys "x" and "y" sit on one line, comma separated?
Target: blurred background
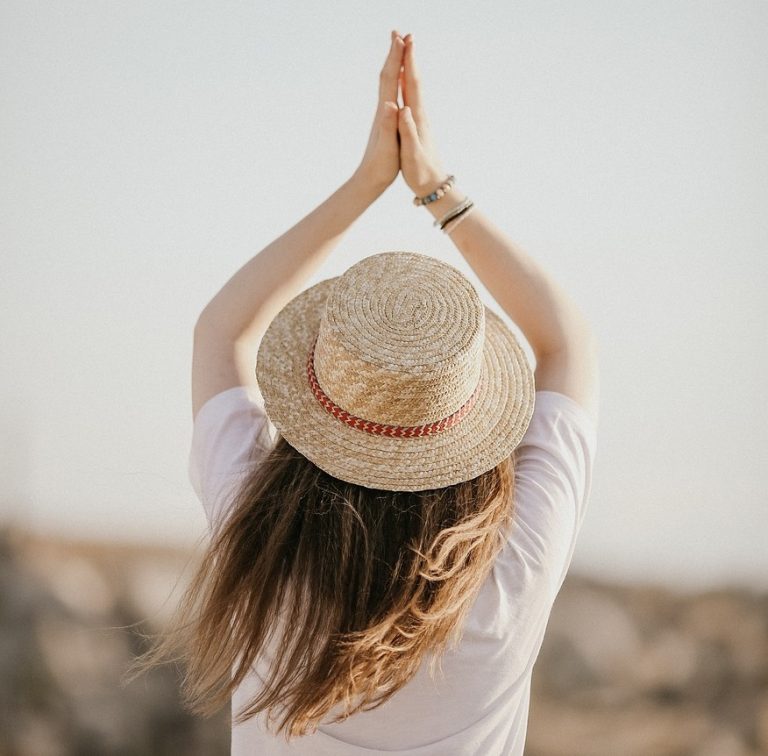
{"x": 150, "y": 149}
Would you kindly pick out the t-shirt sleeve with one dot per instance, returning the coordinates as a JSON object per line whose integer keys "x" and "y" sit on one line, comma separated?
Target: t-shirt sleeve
{"x": 553, "y": 480}
{"x": 230, "y": 434}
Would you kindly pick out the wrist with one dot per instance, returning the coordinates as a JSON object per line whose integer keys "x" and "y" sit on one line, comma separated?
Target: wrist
{"x": 430, "y": 185}
{"x": 439, "y": 207}
{"x": 368, "y": 185}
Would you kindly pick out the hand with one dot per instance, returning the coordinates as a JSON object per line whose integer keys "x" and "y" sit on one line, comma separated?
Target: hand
{"x": 381, "y": 161}
{"x": 419, "y": 163}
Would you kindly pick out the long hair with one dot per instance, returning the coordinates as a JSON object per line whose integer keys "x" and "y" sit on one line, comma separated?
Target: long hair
{"x": 368, "y": 581}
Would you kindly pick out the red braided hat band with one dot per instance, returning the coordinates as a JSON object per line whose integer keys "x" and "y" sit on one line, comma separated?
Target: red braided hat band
{"x": 400, "y": 431}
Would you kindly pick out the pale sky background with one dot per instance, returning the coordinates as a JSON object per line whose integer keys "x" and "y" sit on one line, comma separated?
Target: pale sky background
{"x": 149, "y": 149}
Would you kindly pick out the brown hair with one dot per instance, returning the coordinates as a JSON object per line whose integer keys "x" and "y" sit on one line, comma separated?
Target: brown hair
{"x": 376, "y": 579}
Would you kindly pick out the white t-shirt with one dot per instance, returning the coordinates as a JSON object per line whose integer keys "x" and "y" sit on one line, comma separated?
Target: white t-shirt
{"x": 481, "y": 706}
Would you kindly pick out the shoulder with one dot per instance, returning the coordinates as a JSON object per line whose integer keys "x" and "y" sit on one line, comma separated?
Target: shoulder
{"x": 231, "y": 433}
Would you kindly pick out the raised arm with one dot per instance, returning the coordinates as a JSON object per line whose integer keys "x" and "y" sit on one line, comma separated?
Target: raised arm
{"x": 227, "y": 331}
{"x": 560, "y": 336}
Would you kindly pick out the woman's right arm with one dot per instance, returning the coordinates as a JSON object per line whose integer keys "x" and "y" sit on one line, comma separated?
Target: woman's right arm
{"x": 560, "y": 336}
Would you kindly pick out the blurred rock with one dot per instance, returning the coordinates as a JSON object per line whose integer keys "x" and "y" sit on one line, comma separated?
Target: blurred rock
{"x": 644, "y": 670}
{"x": 725, "y": 743}
{"x": 642, "y": 729}
{"x": 761, "y": 722}
{"x": 734, "y": 625}
{"x": 599, "y": 631}
{"x": 67, "y": 634}
{"x": 666, "y": 662}
{"x": 154, "y": 587}
{"x": 74, "y": 581}
{"x": 37, "y": 734}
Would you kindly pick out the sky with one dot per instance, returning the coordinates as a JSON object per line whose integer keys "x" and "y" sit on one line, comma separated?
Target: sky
{"x": 150, "y": 149}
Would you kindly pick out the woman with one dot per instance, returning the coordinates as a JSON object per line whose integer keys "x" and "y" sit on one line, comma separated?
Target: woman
{"x": 382, "y": 568}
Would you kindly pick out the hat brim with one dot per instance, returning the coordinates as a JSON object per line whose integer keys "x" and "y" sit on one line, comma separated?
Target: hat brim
{"x": 487, "y": 434}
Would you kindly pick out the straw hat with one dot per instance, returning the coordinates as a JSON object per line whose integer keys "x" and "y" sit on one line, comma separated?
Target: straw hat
{"x": 396, "y": 376}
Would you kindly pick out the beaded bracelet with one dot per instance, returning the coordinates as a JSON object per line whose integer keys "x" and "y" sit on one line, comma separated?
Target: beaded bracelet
{"x": 455, "y": 221}
{"x": 454, "y": 211}
{"x": 437, "y": 194}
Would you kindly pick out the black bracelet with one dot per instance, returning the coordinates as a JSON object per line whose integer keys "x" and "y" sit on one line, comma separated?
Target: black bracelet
{"x": 450, "y": 225}
{"x": 454, "y": 212}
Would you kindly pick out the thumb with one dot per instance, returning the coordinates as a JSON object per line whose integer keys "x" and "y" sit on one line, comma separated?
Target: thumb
{"x": 406, "y": 125}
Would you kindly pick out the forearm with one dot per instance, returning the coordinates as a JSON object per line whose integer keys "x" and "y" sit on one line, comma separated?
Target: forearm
{"x": 262, "y": 286}
{"x": 548, "y": 318}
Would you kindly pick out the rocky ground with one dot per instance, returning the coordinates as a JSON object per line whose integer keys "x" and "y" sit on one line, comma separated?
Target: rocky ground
{"x": 623, "y": 671}
{"x": 645, "y": 671}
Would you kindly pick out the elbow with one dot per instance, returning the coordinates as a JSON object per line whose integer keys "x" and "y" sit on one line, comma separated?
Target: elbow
{"x": 579, "y": 336}
{"x": 205, "y": 324}
{"x": 201, "y": 324}
{"x": 590, "y": 337}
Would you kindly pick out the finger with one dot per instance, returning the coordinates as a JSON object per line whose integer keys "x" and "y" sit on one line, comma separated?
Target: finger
{"x": 389, "y": 114}
{"x": 388, "y": 78}
{"x": 412, "y": 81}
{"x": 407, "y": 127}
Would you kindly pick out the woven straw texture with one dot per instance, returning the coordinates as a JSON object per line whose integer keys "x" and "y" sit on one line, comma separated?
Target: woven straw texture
{"x": 400, "y": 339}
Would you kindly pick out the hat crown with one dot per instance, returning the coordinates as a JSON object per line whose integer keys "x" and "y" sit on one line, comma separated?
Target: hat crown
{"x": 400, "y": 340}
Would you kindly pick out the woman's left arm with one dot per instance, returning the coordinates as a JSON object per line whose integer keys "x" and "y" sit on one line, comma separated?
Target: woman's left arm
{"x": 232, "y": 321}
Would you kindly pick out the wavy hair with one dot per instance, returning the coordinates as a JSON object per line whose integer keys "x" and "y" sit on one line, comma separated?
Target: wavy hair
{"x": 367, "y": 582}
